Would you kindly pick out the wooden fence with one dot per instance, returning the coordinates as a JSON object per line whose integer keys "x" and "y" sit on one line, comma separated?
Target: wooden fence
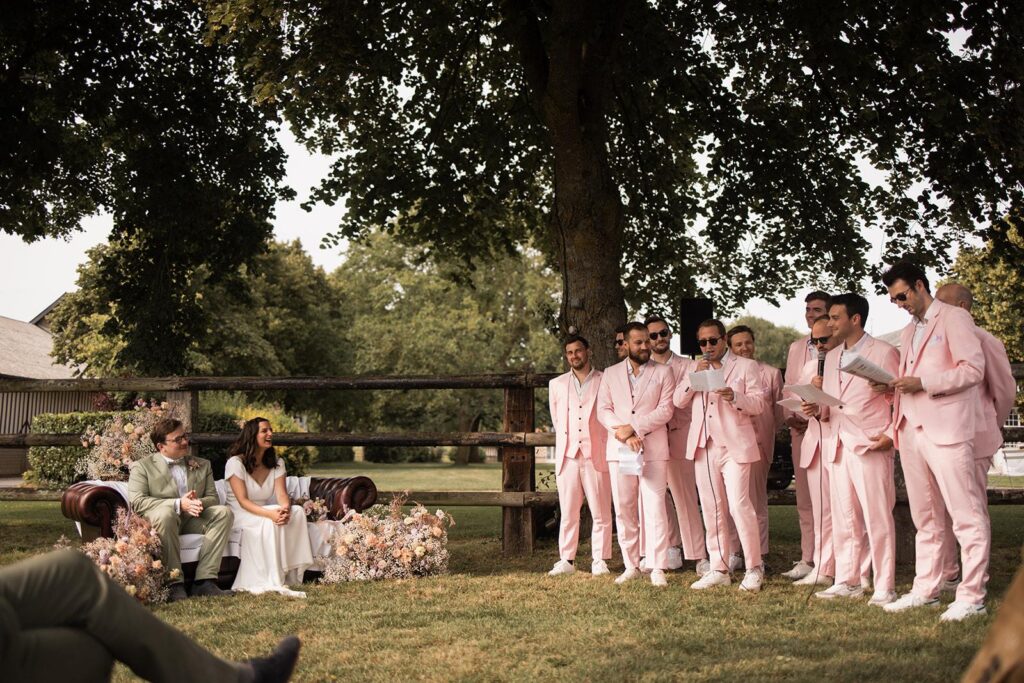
{"x": 518, "y": 497}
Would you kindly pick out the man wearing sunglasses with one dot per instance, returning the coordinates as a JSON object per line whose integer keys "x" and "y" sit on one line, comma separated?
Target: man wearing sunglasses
{"x": 634, "y": 404}
{"x": 620, "y": 343}
{"x": 722, "y": 443}
{"x": 800, "y": 353}
{"x": 935, "y": 420}
{"x": 686, "y": 530}
{"x": 175, "y": 492}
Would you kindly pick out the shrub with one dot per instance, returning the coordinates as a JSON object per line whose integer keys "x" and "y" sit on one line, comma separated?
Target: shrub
{"x": 228, "y": 418}
{"x": 393, "y": 454}
{"x": 54, "y": 466}
{"x": 335, "y": 454}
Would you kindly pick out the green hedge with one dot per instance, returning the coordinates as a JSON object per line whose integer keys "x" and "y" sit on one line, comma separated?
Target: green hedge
{"x": 54, "y": 466}
{"x": 392, "y": 454}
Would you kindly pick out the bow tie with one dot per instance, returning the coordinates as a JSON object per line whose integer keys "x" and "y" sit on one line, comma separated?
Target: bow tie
{"x": 176, "y": 463}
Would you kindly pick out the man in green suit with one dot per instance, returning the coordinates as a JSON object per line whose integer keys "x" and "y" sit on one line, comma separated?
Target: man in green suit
{"x": 175, "y": 492}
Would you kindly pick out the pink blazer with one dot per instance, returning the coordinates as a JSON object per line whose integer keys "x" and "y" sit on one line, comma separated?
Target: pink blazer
{"x": 796, "y": 359}
{"x": 863, "y": 412}
{"x": 731, "y": 424}
{"x": 819, "y": 434}
{"x": 680, "y": 422}
{"x": 648, "y": 408}
{"x": 560, "y": 394}
{"x": 998, "y": 392}
{"x": 951, "y": 364}
{"x": 770, "y": 420}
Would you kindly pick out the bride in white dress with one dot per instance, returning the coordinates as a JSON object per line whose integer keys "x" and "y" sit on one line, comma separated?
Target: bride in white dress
{"x": 275, "y": 549}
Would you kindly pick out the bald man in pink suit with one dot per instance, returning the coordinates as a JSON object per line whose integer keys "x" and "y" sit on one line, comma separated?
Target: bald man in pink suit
{"x": 581, "y": 470}
{"x": 998, "y": 392}
{"x": 635, "y": 405}
{"x": 936, "y": 392}
{"x": 862, "y": 457}
{"x": 800, "y": 353}
{"x": 723, "y": 445}
{"x": 686, "y": 528}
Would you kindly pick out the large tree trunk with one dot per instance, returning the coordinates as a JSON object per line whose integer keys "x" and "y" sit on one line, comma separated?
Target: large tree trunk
{"x": 568, "y": 71}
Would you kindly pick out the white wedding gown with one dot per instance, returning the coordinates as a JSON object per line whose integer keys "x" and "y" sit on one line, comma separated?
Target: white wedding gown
{"x": 271, "y": 556}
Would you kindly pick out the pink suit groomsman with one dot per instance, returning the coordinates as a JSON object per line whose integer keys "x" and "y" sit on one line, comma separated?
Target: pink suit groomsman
{"x": 723, "y": 445}
{"x": 861, "y": 454}
{"x": 936, "y": 396}
{"x": 581, "y": 470}
{"x": 801, "y": 352}
{"x": 742, "y": 343}
{"x": 634, "y": 405}
{"x": 998, "y": 391}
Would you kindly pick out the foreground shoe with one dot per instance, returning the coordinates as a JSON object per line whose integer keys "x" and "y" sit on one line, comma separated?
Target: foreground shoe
{"x": 177, "y": 592}
{"x": 209, "y": 589}
{"x": 735, "y": 562}
{"x": 658, "y": 578}
{"x": 675, "y": 558}
{"x": 711, "y": 579}
{"x": 814, "y": 579}
{"x": 840, "y": 590}
{"x": 958, "y": 611}
{"x": 909, "y": 601}
{"x": 628, "y": 575}
{"x": 277, "y": 667}
{"x": 702, "y": 567}
{"x": 752, "y": 580}
{"x": 644, "y": 567}
{"x": 882, "y": 599}
{"x": 799, "y": 570}
{"x": 562, "y": 568}
{"x": 949, "y": 585}
{"x": 599, "y": 568}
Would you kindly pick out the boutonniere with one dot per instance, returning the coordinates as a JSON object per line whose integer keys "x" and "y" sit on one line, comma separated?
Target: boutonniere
{"x": 192, "y": 463}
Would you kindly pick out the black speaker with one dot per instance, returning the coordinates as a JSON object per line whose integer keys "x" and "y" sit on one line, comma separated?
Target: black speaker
{"x": 692, "y": 312}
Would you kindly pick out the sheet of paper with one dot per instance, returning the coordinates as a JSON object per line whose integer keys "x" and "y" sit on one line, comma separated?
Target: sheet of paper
{"x": 708, "y": 380}
{"x": 793, "y": 404}
{"x": 630, "y": 461}
{"x": 812, "y": 394}
{"x": 861, "y": 367}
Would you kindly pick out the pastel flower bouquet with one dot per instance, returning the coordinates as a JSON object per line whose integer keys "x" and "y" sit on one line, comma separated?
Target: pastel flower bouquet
{"x": 385, "y": 542}
{"x": 123, "y": 441}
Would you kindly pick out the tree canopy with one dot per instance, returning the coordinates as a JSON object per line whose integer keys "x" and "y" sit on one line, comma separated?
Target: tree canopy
{"x": 771, "y": 341}
{"x": 691, "y": 147}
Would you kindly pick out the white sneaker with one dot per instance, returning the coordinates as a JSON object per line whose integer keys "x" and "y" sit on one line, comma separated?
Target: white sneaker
{"x": 628, "y": 575}
{"x": 949, "y": 585}
{"x": 735, "y": 562}
{"x": 752, "y": 580}
{"x": 658, "y": 578}
{"x": 840, "y": 590}
{"x": 814, "y": 579}
{"x": 675, "y": 558}
{"x": 909, "y": 601}
{"x": 702, "y": 567}
{"x": 562, "y": 567}
{"x": 958, "y": 611}
{"x": 599, "y": 568}
{"x": 882, "y": 599}
{"x": 799, "y": 570}
{"x": 644, "y": 567}
{"x": 712, "y": 578}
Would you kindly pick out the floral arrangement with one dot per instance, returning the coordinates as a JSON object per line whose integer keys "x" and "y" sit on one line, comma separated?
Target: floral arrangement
{"x": 315, "y": 509}
{"x": 384, "y": 542}
{"x": 132, "y": 558}
{"x": 123, "y": 441}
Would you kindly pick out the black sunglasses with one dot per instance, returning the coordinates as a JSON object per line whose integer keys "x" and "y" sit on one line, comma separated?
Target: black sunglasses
{"x": 661, "y": 333}
{"x": 713, "y": 341}
{"x": 820, "y": 340}
{"x": 901, "y": 297}
{"x": 620, "y": 342}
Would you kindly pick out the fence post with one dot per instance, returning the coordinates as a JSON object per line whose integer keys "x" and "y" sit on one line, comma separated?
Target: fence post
{"x": 517, "y": 472}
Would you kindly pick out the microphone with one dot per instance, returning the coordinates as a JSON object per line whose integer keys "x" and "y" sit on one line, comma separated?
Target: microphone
{"x": 821, "y": 362}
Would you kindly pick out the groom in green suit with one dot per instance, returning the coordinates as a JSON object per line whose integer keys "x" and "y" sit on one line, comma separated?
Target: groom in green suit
{"x": 175, "y": 492}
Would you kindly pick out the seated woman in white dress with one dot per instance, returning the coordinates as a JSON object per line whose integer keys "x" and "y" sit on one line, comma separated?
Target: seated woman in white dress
{"x": 275, "y": 549}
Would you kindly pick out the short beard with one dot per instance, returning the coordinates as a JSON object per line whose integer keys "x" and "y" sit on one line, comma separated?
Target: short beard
{"x": 637, "y": 359}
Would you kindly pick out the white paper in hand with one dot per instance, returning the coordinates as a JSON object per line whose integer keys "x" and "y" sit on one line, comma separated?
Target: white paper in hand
{"x": 630, "y": 461}
{"x": 812, "y": 394}
{"x": 793, "y": 404}
{"x": 859, "y": 366}
{"x": 708, "y": 380}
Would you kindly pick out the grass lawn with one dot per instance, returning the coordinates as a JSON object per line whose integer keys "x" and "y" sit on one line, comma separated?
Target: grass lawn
{"x": 502, "y": 619}
{"x": 431, "y": 476}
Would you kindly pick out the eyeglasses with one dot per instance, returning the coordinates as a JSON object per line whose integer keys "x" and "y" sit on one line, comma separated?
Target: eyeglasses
{"x": 712, "y": 341}
{"x": 820, "y": 340}
{"x": 180, "y": 439}
{"x": 901, "y": 297}
{"x": 620, "y": 342}
{"x": 660, "y": 333}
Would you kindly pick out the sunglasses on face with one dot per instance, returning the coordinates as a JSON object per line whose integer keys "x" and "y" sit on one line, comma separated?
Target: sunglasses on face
{"x": 712, "y": 341}
{"x": 620, "y": 342}
{"x": 901, "y": 297}
{"x": 661, "y": 333}
{"x": 820, "y": 340}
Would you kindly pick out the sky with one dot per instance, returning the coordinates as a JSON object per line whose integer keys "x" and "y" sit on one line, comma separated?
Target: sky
{"x": 32, "y": 276}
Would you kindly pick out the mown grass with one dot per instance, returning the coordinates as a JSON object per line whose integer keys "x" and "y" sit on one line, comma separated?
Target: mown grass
{"x": 430, "y": 476}
{"x": 501, "y": 619}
